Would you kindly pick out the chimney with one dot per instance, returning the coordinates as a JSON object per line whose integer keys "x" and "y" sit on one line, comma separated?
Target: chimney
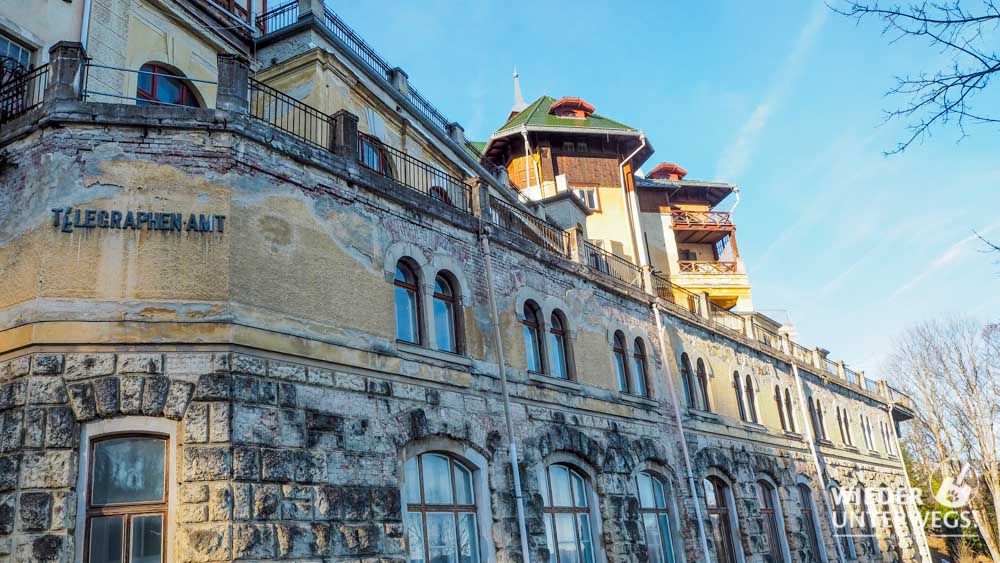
{"x": 667, "y": 171}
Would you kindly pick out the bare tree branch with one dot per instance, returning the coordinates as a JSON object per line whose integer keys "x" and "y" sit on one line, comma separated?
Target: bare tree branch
{"x": 964, "y": 35}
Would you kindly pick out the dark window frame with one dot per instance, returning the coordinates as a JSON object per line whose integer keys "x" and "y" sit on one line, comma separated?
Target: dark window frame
{"x": 413, "y": 288}
{"x": 549, "y": 510}
{"x": 127, "y": 511}
{"x": 423, "y": 508}
{"x": 159, "y": 72}
{"x": 620, "y": 357}
{"x": 641, "y": 363}
{"x": 532, "y": 322}
{"x": 452, "y": 302}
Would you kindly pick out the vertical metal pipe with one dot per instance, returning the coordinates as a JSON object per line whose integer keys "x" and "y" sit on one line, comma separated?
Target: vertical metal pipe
{"x": 498, "y": 346}
{"x": 816, "y": 462}
{"x": 692, "y": 484}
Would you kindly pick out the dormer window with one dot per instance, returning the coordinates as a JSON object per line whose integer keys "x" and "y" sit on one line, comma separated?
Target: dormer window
{"x": 573, "y": 108}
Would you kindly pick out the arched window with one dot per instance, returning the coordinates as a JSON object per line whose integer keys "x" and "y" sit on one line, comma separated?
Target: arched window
{"x": 738, "y": 387}
{"x": 407, "y": 304}
{"x": 781, "y": 408}
{"x": 840, "y": 426}
{"x": 812, "y": 419}
{"x": 639, "y": 368}
{"x": 867, "y": 521}
{"x": 809, "y": 522}
{"x": 687, "y": 381}
{"x": 127, "y": 498}
{"x": 767, "y": 497}
{"x": 440, "y": 510}
{"x": 533, "y": 337}
{"x": 789, "y": 413}
{"x": 567, "y": 516}
{"x": 847, "y": 427}
{"x": 820, "y": 422}
{"x": 621, "y": 364}
{"x": 159, "y": 85}
{"x": 558, "y": 348}
{"x": 445, "y": 319}
{"x": 751, "y": 400}
{"x": 842, "y": 523}
{"x": 721, "y": 518}
{"x": 702, "y": 386}
{"x": 655, "y": 518}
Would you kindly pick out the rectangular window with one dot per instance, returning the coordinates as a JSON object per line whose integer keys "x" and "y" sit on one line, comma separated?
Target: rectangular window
{"x": 12, "y": 49}
{"x": 588, "y": 196}
{"x": 127, "y": 500}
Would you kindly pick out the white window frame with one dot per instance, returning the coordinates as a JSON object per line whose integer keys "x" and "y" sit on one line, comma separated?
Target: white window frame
{"x": 101, "y": 429}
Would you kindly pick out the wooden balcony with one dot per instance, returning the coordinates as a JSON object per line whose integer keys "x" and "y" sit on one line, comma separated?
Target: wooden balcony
{"x": 707, "y": 267}
{"x": 698, "y": 227}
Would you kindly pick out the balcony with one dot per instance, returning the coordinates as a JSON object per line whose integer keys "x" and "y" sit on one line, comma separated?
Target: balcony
{"x": 707, "y": 267}
{"x": 701, "y": 227}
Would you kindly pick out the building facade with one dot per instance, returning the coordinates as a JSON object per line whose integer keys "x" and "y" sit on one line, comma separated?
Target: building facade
{"x": 279, "y": 308}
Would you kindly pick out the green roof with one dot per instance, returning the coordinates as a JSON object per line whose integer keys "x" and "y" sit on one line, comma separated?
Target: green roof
{"x": 537, "y": 115}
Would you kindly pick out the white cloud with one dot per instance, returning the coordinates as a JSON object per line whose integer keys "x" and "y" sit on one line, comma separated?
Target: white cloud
{"x": 951, "y": 254}
{"x": 736, "y": 158}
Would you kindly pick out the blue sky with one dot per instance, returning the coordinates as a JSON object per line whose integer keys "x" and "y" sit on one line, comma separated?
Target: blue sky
{"x": 785, "y": 100}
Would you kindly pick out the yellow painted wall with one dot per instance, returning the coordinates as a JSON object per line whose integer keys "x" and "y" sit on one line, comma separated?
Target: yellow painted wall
{"x": 41, "y": 23}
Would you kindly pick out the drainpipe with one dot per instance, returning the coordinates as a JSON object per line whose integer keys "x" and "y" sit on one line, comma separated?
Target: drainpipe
{"x": 85, "y": 24}
{"x": 736, "y": 192}
{"x": 692, "y": 485}
{"x": 498, "y": 346}
{"x": 528, "y": 158}
{"x": 631, "y": 205}
{"x": 824, "y": 494}
{"x": 915, "y": 523}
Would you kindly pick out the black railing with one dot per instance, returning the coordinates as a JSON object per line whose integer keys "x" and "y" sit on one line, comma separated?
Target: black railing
{"x": 615, "y": 266}
{"x": 428, "y": 109}
{"x": 356, "y": 44}
{"x": 290, "y": 115}
{"x": 727, "y": 319}
{"x": 677, "y": 295}
{"x": 278, "y": 18}
{"x": 525, "y": 225}
{"x": 413, "y": 173}
{"x": 22, "y": 92}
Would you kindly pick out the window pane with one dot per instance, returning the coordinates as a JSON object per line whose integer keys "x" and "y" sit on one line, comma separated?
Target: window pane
{"x": 550, "y": 538}
{"x": 579, "y": 490}
{"x": 658, "y": 496}
{"x": 168, "y": 89}
{"x": 463, "y": 485}
{"x": 406, "y": 315}
{"x": 437, "y": 479}
{"x": 652, "y": 535}
{"x": 441, "y": 537}
{"x": 645, "y": 491}
{"x": 415, "y": 534}
{"x": 128, "y": 470}
{"x": 468, "y": 541}
{"x": 558, "y": 351}
{"x": 531, "y": 348}
{"x": 566, "y": 532}
{"x": 147, "y": 539}
{"x": 639, "y": 367}
{"x": 444, "y": 325}
{"x": 106, "y": 540}
{"x": 586, "y": 549}
{"x": 146, "y": 80}
{"x": 559, "y": 477}
{"x": 668, "y": 546}
{"x": 411, "y": 481}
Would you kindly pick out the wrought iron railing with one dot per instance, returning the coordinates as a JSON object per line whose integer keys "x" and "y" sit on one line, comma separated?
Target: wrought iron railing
{"x": 802, "y": 354}
{"x": 615, "y": 266}
{"x": 830, "y": 366}
{"x": 701, "y": 219}
{"x": 428, "y": 109}
{"x": 727, "y": 319}
{"x": 677, "y": 295}
{"x": 356, "y": 44}
{"x": 525, "y": 225}
{"x": 871, "y": 385}
{"x": 290, "y": 115}
{"x": 413, "y": 173}
{"x": 22, "y": 92}
{"x": 278, "y": 18}
{"x": 706, "y": 267}
{"x": 767, "y": 337}
{"x": 90, "y": 86}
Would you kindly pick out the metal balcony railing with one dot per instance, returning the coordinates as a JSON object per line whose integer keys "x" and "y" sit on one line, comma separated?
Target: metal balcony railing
{"x": 851, "y": 376}
{"x": 701, "y": 219}
{"x": 413, "y": 173}
{"x": 706, "y": 267}
{"x": 22, "y": 91}
{"x": 677, "y": 295}
{"x": 278, "y": 18}
{"x": 727, "y": 319}
{"x": 615, "y": 266}
{"x": 290, "y": 115}
{"x": 767, "y": 337}
{"x": 527, "y": 226}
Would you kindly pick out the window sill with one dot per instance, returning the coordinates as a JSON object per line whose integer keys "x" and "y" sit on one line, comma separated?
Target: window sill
{"x": 703, "y": 415}
{"x": 643, "y": 401}
{"x": 427, "y": 353}
{"x": 756, "y": 426}
{"x": 793, "y": 435}
{"x": 554, "y": 381}
{"x": 874, "y": 453}
{"x": 852, "y": 448}
{"x": 824, "y": 442}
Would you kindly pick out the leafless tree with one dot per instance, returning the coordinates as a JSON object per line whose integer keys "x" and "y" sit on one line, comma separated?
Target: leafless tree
{"x": 965, "y": 35}
{"x": 951, "y": 369}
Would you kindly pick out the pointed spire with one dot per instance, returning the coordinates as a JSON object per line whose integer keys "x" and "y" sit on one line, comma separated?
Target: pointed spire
{"x": 519, "y": 104}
